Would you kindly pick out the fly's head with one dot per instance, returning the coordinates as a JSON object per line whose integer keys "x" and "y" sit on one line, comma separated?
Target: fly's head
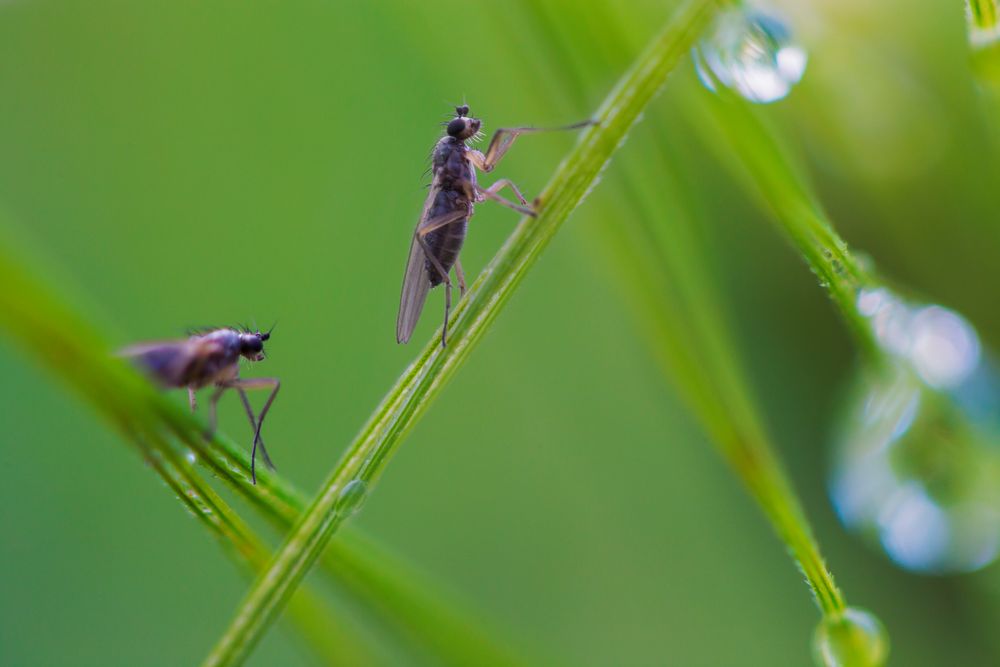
{"x": 252, "y": 344}
{"x": 463, "y": 126}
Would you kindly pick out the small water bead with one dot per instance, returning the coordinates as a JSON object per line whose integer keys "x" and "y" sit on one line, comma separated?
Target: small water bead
{"x": 917, "y": 467}
{"x": 751, "y": 53}
{"x": 351, "y": 498}
{"x": 853, "y": 638}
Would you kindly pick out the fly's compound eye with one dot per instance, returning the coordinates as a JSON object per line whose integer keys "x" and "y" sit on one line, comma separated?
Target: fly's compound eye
{"x": 456, "y": 127}
{"x": 462, "y": 110}
{"x": 252, "y": 345}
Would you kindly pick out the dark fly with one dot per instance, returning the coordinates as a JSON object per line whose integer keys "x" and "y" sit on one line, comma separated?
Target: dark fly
{"x": 440, "y": 233}
{"x": 211, "y": 358}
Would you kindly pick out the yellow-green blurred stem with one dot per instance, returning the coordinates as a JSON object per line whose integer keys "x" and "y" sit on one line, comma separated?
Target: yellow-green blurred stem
{"x": 984, "y": 13}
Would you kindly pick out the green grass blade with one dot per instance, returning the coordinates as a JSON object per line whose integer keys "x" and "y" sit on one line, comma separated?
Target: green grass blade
{"x": 743, "y": 140}
{"x": 657, "y": 263}
{"x": 411, "y": 396}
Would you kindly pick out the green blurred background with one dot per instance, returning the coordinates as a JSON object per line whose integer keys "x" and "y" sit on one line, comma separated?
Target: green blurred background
{"x": 189, "y": 163}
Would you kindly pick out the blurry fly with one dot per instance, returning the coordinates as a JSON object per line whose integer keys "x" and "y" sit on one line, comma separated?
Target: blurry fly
{"x": 441, "y": 231}
{"x": 211, "y": 357}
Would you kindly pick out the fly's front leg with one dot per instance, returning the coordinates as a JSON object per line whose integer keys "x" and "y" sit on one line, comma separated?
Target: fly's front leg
{"x": 192, "y": 399}
{"x": 258, "y": 383}
{"x": 504, "y": 138}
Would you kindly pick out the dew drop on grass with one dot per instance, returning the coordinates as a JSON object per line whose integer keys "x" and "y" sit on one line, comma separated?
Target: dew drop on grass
{"x": 751, "y": 53}
{"x": 852, "y": 638}
{"x": 351, "y": 498}
{"x": 917, "y": 463}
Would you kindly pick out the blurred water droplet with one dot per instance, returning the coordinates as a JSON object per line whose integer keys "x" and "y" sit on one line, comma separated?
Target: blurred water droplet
{"x": 190, "y": 456}
{"x": 351, "y": 498}
{"x": 751, "y": 53}
{"x": 917, "y": 464}
{"x": 853, "y": 638}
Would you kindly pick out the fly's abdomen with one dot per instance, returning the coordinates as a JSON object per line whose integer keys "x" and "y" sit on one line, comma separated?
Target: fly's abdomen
{"x": 446, "y": 242}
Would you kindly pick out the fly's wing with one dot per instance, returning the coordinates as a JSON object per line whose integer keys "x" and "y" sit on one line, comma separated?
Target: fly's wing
{"x": 165, "y": 361}
{"x": 172, "y": 363}
{"x": 416, "y": 282}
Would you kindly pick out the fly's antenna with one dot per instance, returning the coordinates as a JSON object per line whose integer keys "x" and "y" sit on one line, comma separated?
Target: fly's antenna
{"x": 267, "y": 334}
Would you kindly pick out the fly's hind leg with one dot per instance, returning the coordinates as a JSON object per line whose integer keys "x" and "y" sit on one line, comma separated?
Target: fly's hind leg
{"x": 253, "y": 425}
{"x": 460, "y": 275}
{"x": 257, "y": 383}
{"x": 447, "y": 310}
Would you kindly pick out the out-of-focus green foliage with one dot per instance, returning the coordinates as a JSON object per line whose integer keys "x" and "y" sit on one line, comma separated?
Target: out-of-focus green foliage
{"x": 188, "y": 163}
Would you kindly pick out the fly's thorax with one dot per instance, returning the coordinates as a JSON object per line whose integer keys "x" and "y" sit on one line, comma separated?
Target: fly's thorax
{"x": 443, "y": 151}
{"x": 227, "y": 339}
{"x": 452, "y": 169}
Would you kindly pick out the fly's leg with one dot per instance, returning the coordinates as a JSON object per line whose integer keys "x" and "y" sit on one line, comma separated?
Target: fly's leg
{"x": 253, "y": 426}
{"x": 192, "y": 399}
{"x": 504, "y": 138}
{"x": 444, "y": 278}
{"x": 460, "y": 274}
{"x": 447, "y": 309}
{"x": 432, "y": 224}
{"x": 257, "y": 383}
{"x": 213, "y": 403}
{"x": 507, "y": 183}
{"x": 491, "y": 193}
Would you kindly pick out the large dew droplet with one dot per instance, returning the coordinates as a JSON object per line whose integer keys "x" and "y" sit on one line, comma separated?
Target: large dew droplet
{"x": 852, "y": 638}
{"x": 751, "y": 53}
{"x": 917, "y": 466}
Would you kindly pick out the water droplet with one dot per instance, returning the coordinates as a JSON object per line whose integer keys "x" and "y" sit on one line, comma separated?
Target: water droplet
{"x": 190, "y": 456}
{"x": 917, "y": 467}
{"x": 852, "y": 638}
{"x": 751, "y": 53}
{"x": 351, "y": 498}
